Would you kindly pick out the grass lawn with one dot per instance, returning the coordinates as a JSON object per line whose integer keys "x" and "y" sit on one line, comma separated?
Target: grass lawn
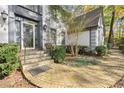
{"x": 81, "y": 61}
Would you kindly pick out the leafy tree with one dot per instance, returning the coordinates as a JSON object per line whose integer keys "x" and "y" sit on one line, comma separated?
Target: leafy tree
{"x": 110, "y": 39}
{"x": 112, "y": 13}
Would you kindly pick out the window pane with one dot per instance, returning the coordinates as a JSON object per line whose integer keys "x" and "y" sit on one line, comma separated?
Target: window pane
{"x": 18, "y": 32}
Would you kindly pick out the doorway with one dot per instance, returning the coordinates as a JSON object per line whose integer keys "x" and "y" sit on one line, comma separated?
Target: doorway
{"x": 28, "y": 35}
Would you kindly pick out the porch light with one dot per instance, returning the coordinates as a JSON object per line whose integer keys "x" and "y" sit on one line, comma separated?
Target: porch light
{"x": 45, "y": 27}
{"x": 4, "y": 15}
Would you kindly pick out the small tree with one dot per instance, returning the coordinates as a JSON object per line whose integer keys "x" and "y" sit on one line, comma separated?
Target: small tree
{"x": 73, "y": 25}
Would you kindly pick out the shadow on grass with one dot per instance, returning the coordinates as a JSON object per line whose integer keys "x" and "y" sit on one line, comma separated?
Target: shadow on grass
{"x": 81, "y": 62}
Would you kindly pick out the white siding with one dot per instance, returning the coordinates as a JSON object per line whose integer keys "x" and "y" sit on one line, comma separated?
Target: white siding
{"x": 86, "y": 38}
{"x": 100, "y": 32}
{"x": 83, "y": 38}
{"x": 3, "y": 25}
{"x": 60, "y": 29}
{"x": 94, "y": 38}
{"x": 97, "y": 35}
{"x": 45, "y": 17}
{"x": 52, "y": 24}
{"x": 100, "y": 36}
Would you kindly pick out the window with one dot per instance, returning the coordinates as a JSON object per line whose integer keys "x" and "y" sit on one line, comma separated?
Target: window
{"x": 53, "y": 36}
{"x": 63, "y": 38}
{"x": 36, "y": 35}
{"x": 18, "y": 32}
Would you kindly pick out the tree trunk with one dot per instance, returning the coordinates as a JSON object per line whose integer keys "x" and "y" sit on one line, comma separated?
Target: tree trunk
{"x": 76, "y": 45}
{"x": 76, "y": 50}
{"x": 111, "y": 35}
{"x": 72, "y": 50}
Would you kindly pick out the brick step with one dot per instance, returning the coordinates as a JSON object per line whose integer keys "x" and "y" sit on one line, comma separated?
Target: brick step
{"x": 36, "y": 64}
{"x": 35, "y": 60}
{"x": 32, "y": 53}
{"x": 33, "y": 56}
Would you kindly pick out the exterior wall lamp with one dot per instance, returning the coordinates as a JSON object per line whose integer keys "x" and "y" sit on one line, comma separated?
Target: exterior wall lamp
{"x": 45, "y": 27}
{"x": 4, "y": 15}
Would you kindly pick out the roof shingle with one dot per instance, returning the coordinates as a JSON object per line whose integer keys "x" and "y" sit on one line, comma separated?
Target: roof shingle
{"x": 91, "y": 18}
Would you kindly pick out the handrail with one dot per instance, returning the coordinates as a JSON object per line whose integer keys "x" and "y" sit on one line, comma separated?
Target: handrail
{"x": 24, "y": 50}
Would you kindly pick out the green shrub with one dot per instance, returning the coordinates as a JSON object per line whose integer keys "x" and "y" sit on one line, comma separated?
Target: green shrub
{"x": 49, "y": 48}
{"x": 123, "y": 51}
{"x": 122, "y": 40}
{"x": 3, "y": 44}
{"x": 88, "y": 51}
{"x": 109, "y": 45}
{"x": 83, "y": 49}
{"x": 101, "y": 50}
{"x": 68, "y": 49}
{"x": 58, "y": 54}
{"x": 8, "y": 59}
{"x": 121, "y": 46}
{"x": 48, "y": 45}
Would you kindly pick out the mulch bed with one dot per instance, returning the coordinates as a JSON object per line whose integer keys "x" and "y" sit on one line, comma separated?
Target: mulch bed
{"x": 15, "y": 80}
{"x": 119, "y": 83}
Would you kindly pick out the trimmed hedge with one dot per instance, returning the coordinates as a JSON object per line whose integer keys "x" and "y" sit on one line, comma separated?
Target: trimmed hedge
{"x": 101, "y": 50}
{"x": 8, "y": 58}
{"x": 58, "y": 54}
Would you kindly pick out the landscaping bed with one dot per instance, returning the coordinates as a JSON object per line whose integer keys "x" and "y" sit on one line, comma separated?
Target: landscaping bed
{"x": 15, "y": 80}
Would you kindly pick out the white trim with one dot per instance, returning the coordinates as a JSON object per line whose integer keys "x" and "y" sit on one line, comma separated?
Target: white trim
{"x": 22, "y": 43}
{"x": 21, "y": 35}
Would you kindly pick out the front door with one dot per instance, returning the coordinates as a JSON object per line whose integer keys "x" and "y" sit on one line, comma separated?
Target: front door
{"x": 28, "y": 36}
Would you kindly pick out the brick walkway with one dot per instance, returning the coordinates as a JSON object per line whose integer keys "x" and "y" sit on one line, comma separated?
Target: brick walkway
{"x": 105, "y": 74}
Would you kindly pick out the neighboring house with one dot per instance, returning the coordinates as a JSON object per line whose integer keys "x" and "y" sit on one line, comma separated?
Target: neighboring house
{"x": 23, "y": 25}
{"x": 93, "y": 34}
{"x": 119, "y": 28}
